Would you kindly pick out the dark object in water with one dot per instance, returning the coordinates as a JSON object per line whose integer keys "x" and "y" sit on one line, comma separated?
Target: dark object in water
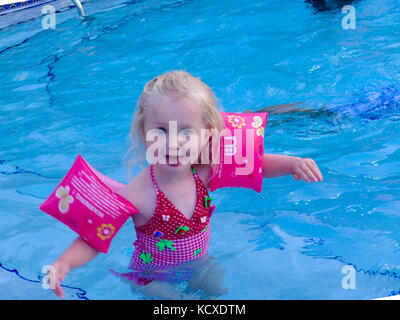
{"x": 369, "y": 104}
{"x": 325, "y": 5}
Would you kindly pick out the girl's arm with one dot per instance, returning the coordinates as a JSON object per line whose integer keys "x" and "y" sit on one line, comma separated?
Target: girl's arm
{"x": 275, "y": 165}
{"x": 78, "y": 254}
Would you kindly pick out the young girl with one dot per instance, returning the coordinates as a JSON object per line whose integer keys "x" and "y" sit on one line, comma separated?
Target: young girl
{"x": 173, "y": 224}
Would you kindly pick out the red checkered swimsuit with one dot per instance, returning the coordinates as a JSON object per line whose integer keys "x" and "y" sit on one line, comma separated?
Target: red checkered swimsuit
{"x": 169, "y": 238}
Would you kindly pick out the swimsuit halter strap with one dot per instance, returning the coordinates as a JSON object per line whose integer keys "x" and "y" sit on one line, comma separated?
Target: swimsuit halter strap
{"x": 153, "y": 178}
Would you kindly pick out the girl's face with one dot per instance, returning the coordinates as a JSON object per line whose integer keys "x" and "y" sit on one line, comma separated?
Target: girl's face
{"x": 161, "y": 117}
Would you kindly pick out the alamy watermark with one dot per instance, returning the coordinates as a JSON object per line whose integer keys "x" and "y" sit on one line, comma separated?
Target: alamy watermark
{"x": 349, "y": 20}
{"x": 49, "y": 281}
{"x": 349, "y": 280}
{"x": 49, "y": 19}
{"x": 191, "y": 147}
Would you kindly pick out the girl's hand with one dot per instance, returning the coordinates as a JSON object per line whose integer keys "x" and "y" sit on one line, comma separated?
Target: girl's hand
{"x": 305, "y": 169}
{"x": 61, "y": 269}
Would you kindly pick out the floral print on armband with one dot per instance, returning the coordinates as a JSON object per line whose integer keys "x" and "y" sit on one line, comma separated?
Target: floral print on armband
{"x": 257, "y": 122}
{"x": 65, "y": 198}
{"x": 236, "y": 121}
{"x": 105, "y": 231}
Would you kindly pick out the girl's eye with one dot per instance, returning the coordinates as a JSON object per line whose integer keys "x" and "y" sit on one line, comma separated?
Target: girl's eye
{"x": 162, "y": 130}
{"x": 187, "y": 132}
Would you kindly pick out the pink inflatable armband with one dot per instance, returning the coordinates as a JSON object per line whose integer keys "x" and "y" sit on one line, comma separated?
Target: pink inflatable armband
{"x": 87, "y": 202}
{"x": 241, "y": 152}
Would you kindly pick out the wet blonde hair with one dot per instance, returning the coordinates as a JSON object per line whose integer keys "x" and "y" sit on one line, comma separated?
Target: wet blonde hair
{"x": 176, "y": 83}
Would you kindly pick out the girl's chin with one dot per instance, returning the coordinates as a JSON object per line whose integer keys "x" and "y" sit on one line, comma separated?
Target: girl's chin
{"x": 173, "y": 165}
{"x": 173, "y": 162}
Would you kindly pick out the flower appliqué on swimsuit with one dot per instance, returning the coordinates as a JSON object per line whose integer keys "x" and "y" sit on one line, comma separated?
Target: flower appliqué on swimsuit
{"x": 105, "y": 231}
{"x": 164, "y": 243}
{"x": 236, "y": 121}
{"x": 146, "y": 257}
{"x": 65, "y": 199}
{"x": 165, "y": 217}
{"x": 203, "y": 219}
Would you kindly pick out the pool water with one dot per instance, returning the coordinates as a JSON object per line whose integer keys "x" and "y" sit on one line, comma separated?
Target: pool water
{"x": 72, "y": 91}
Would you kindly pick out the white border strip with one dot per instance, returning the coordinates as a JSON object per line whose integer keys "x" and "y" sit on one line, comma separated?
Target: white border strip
{"x": 389, "y": 298}
{"x": 5, "y": 2}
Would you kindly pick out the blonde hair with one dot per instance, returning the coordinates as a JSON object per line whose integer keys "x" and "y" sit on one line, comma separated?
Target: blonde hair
{"x": 180, "y": 84}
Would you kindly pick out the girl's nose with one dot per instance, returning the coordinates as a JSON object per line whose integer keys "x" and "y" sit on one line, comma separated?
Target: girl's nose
{"x": 172, "y": 145}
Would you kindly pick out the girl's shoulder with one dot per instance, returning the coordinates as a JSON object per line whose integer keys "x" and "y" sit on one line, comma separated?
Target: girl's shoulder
{"x": 139, "y": 191}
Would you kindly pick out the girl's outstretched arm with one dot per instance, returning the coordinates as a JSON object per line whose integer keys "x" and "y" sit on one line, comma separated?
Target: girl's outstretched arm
{"x": 79, "y": 253}
{"x": 275, "y": 165}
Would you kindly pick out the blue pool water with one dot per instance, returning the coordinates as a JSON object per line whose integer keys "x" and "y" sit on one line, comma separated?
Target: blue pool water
{"x": 73, "y": 90}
